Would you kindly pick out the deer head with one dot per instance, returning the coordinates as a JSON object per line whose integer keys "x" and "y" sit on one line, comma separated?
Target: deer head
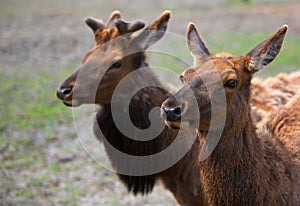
{"x": 213, "y": 74}
{"x": 100, "y": 29}
{"x": 118, "y": 50}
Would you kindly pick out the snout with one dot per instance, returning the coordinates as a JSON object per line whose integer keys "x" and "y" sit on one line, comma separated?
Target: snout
{"x": 180, "y": 111}
{"x": 66, "y": 90}
{"x": 63, "y": 93}
{"x": 171, "y": 113}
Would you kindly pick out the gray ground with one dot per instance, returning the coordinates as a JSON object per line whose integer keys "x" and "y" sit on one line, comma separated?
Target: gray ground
{"x": 51, "y": 34}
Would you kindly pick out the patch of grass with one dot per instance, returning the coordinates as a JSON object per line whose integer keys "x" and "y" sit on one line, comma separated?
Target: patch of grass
{"x": 9, "y": 165}
{"x": 22, "y": 142}
{"x": 25, "y": 193}
{"x": 22, "y": 156}
{"x": 76, "y": 192}
{"x": 55, "y": 167}
{"x": 21, "y": 160}
{"x": 38, "y": 182}
{"x": 240, "y": 2}
{"x": 114, "y": 201}
{"x": 72, "y": 198}
{"x": 29, "y": 99}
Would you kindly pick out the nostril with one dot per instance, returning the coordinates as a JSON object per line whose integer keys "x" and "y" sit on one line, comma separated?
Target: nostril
{"x": 177, "y": 110}
{"x": 62, "y": 93}
{"x": 164, "y": 112}
{"x": 67, "y": 90}
{"x": 172, "y": 114}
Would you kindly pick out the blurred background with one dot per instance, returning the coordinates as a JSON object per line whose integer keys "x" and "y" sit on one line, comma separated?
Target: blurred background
{"x": 41, "y": 44}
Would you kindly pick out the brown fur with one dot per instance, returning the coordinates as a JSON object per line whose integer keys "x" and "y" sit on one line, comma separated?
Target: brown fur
{"x": 180, "y": 178}
{"x": 247, "y": 167}
{"x": 268, "y": 95}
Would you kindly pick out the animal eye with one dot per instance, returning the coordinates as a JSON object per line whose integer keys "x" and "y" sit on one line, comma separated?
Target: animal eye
{"x": 181, "y": 79}
{"x": 231, "y": 83}
{"x": 116, "y": 65}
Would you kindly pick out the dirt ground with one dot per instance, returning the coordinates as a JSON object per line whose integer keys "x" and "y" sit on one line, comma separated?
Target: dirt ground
{"x": 51, "y": 34}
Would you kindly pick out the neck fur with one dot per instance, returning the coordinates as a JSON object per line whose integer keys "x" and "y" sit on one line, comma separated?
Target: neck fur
{"x": 140, "y": 105}
{"x": 241, "y": 170}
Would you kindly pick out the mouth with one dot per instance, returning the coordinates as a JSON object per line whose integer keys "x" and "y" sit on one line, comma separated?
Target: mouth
{"x": 179, "y": 124}
{"x": 71, "y": 103}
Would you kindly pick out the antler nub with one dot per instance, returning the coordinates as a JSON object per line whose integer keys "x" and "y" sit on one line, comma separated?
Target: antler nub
{"x": 127, "y": 27}
{"x": 94, "y": 24}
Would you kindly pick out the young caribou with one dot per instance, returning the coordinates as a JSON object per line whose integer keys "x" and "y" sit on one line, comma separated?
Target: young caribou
{"x": 247, "y": 167}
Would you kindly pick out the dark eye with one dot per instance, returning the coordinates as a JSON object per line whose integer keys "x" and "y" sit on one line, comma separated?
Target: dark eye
{"x": 181, "y": 79}
{"x": 231, "y": 83}
{"x": 116, "y": 65}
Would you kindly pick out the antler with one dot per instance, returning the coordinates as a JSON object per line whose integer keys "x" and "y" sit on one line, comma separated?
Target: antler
{"x": 128, "y": 27}
{"x": 94, "y": 24}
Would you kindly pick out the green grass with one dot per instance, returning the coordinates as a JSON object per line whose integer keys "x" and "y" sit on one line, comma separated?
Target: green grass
{"x": 55, "y": 167}
{"x": 24, "y": 193}
{"x": 29, "y": 100}
{"x": 239, "y": 2}
{"x": 29, "y": 114}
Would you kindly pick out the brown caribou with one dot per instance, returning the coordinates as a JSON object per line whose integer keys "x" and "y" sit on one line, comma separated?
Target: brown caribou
{"x": 120, "y": 50}
{"x": 248, "y": 166}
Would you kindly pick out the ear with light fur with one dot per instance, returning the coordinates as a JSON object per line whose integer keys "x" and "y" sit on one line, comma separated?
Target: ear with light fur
{"x": 265, "y": 52}
{"x": 195, "y": 43}
{"x": 153, "y": 32}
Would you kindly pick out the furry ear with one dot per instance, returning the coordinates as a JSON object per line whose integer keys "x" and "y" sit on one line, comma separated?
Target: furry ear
{"x": 94, "y": 24}
{"x": 114, "y": 16}
{"x": 195, "y": 43}
{"x": 265, "y": 52}
{"x": 128, "y": 27}
{"x": 153, "y": 32}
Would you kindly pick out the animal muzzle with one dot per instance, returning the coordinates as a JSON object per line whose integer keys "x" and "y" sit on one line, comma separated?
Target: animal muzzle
{"x": 63, "y": 93}
{"x": 172, "y": 114}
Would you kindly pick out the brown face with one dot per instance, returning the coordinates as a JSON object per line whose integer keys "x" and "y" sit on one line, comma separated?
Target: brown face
{"x": 97, "y": 78}
{"x": 118, "y": 51}
{"x": 102, "y": 33}
{"x": 213, "y": 77}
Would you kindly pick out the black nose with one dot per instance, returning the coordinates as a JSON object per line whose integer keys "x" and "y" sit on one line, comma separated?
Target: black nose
{"x": 172, "y": 114}
{"x": 62, "y": 93}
